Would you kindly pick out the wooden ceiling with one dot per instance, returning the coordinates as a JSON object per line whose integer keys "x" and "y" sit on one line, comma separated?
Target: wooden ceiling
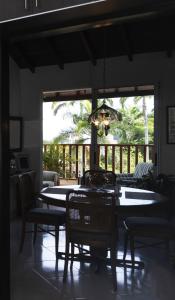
{"x": 42, "y": 40}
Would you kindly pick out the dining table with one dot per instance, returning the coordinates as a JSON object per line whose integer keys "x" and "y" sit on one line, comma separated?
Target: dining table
{"x": 129, "y": 200}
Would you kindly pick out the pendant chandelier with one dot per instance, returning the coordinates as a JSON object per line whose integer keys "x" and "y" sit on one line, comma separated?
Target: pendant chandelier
{"x": 105, "y": 115}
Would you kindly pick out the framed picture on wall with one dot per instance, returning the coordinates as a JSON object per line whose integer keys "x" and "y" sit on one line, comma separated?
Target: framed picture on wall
{"x": 15, "y": 133}
{"x": 171, "y": 124}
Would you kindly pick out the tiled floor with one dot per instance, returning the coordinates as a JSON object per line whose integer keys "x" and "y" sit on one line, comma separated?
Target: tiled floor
{"x": 35, "y": 274}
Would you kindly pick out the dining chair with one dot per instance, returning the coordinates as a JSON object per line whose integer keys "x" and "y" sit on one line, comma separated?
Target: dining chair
{"x": 91, "y": 221}
{"x": 159, "y": 228}
{"x": 30, "y": 213}
{"x": 98, "y": 177}
{"x": 147, "y": 227}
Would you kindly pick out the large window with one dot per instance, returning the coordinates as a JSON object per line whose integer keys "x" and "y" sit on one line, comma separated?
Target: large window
{"x": 130, "y": 140}
{"x": 71, "y": 145}
{"x": 67, "y": 137}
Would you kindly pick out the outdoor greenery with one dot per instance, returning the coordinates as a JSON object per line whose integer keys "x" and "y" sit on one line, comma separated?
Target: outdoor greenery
{"x": 80, "y": 131}
{"x": 53, "y": 159}
{"x": 136, "y": 127}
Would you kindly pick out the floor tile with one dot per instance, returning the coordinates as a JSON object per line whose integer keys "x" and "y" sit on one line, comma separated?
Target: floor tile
{"x": 35, "y": 273}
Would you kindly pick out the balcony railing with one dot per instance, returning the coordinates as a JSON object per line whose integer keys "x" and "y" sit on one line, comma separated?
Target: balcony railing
{"x": 71, "y": 160}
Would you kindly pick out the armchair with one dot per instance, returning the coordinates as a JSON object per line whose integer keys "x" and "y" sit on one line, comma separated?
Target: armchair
{"x": 50, "y": 178}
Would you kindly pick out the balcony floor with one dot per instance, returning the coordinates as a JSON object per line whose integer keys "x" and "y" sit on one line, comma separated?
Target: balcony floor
{"x": 35, "y": 275}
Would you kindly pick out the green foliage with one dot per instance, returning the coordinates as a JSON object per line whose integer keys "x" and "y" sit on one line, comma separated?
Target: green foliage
{"x": 131, "y": 130}
{"x": 54, "y": 159}
{"x": 62, "y": 138}
{"x": 59, "y": 105}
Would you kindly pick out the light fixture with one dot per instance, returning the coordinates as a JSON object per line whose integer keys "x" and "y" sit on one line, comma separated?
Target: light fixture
{"x": 103, "y": 116}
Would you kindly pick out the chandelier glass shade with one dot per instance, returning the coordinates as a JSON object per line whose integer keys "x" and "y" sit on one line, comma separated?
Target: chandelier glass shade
{"x": 103, "y": 116}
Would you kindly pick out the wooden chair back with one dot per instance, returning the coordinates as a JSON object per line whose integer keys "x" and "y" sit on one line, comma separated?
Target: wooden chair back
{"x": 89, "y": 214}
{"x": 27, "y": 191}
{"x": 99, "y": 178}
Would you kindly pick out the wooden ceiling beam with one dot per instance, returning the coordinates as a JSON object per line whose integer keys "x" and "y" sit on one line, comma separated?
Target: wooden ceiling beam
{"x": 86, "y": 17}
{"x": 82, "y": 26}
{"x": 126, "y": 41}
{"x": 167, "y": 29}
{"x": 20, "y": 52}
{"x": 13, "y": 56}
{"x": 88, "y": 47}
{"x": 54, "y": 50}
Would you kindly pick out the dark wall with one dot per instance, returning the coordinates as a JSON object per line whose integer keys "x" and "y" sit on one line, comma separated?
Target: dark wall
{"x": 4, "y": 173}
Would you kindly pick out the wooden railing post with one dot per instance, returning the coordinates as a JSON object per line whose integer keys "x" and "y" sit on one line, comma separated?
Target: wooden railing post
{"x": 106, "y": 157}
{"x": 76, "y": 163}
{"x": 83, "y": 158}
{"x": 70, "y": 157}
{"x": 136, "y": 155}
{"x": 121, "y": 156}
{"x": 113, "y": 158}
{"x": 129, "y": 163}
{"x": 64, "y": 159}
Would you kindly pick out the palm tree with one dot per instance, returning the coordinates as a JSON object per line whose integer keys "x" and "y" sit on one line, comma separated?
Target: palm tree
{"x": 130, "y": 130}
{"x": 56, "y": 106}
{"x": 146, "y": 121}
{"x": 145, "y": 116}
{"x": 80, "y": 130}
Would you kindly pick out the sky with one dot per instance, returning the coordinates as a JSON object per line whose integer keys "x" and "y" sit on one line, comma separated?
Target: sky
{"x": 53, "y": 125}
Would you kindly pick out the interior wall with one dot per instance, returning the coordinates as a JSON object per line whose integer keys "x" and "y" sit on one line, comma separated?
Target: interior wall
{"x": 153, "y": 68}
{"x": 28, "y": 107}
{"x": 4, "y": 171}
{"x": 15, "y": 90}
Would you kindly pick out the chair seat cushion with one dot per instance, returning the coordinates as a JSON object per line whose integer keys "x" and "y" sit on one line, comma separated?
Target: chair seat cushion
{"x": 147, "y": 222}
{"x": 46, "y": 216}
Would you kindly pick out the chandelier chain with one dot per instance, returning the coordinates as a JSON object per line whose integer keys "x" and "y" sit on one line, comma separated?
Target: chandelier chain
{"x": 104, "y": 60}
{"x": 103, "y": 116}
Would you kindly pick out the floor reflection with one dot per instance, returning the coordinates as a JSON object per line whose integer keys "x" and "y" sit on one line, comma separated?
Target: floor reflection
{"x": 35, "y": 274}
